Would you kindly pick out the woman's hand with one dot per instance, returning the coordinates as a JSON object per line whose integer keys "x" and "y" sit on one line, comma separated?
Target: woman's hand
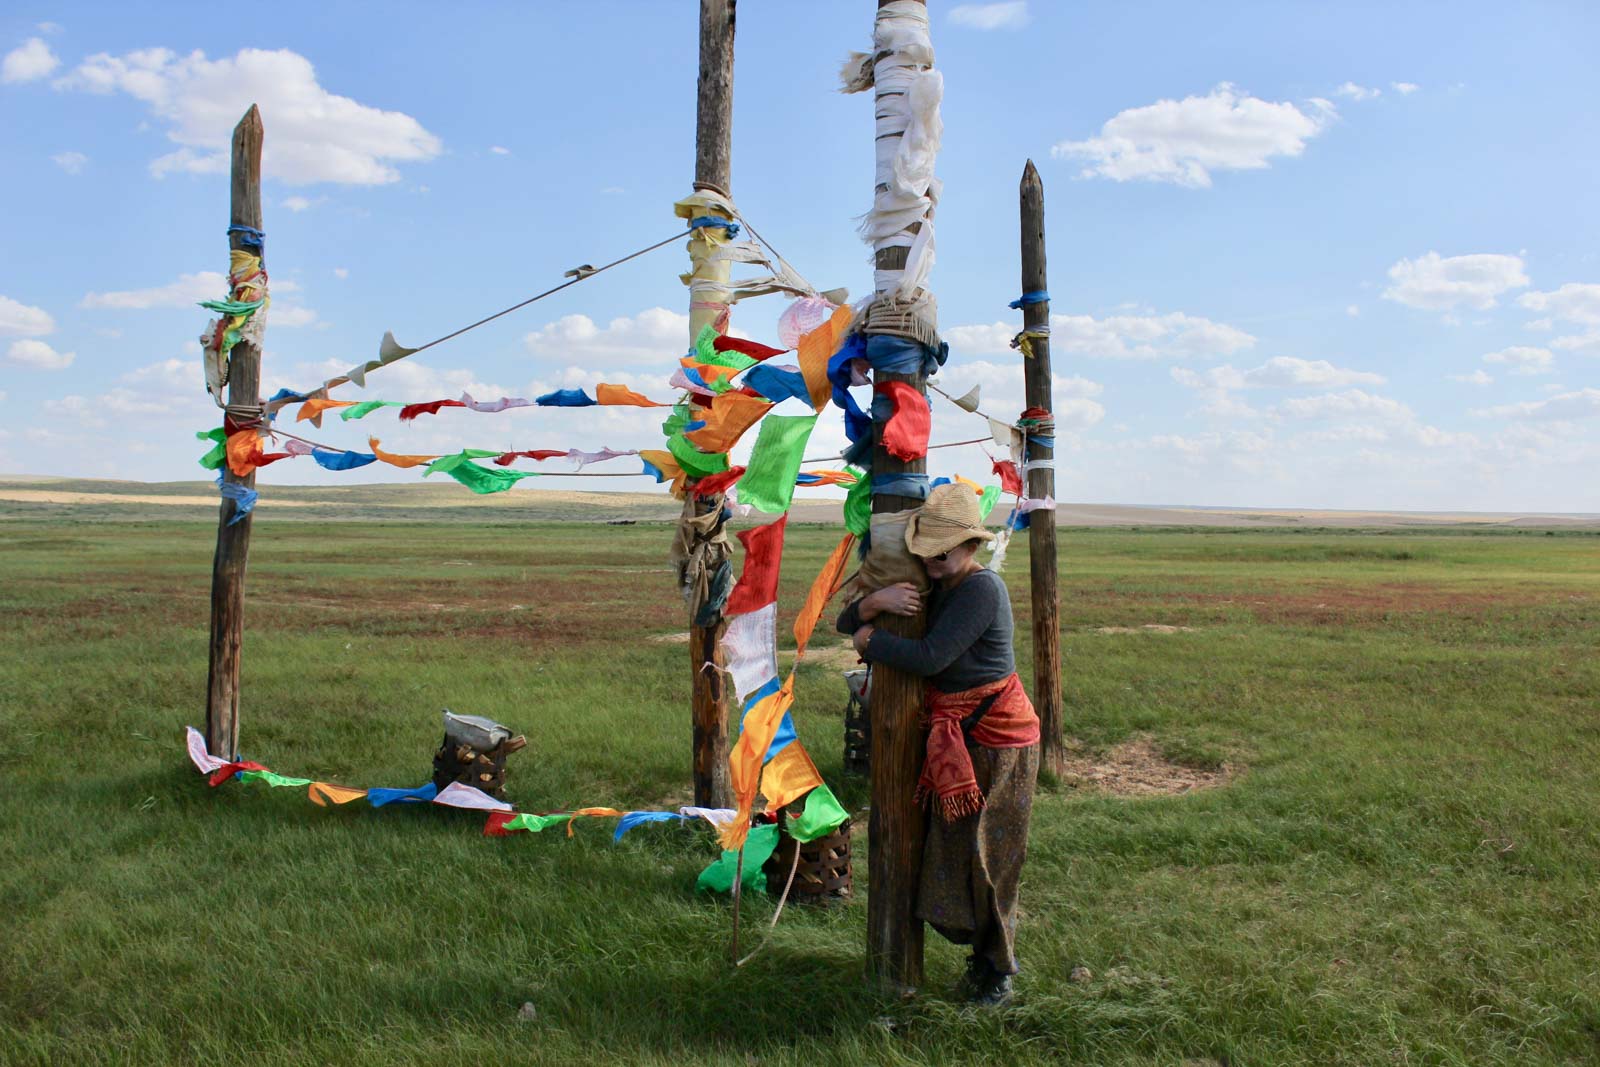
{"x": 861, "y": 638}
{"x": 901, "y": 598}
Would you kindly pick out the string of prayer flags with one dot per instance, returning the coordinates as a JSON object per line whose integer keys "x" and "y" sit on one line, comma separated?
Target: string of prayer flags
{"x": 420, "y": 795}
{"x": 726, "y": 420}
{"x": 905, "y": 435}
{"x": 243, "y": 450}
{"x": 621, "y": 395}
{"x": 324, "y": 794}
{"x": 565, "y": 398}
{"x": 367, "y": 407}
{"x": 273, "y": 779}
{"x": 769, "y": 477}
{"x": 446, "y": 464}
{"x": 341, "y": 461}
{"x": 314, "y": 406}
{"x": 505, "y": 403}
{"x": 485, "y": 480}
{"x": 505, "y": 459}
{"x": 815, "y": 478}
{"x": 397, "y": 460}
{"x": 411, "y": 411}
{"x": 583, "y": 459}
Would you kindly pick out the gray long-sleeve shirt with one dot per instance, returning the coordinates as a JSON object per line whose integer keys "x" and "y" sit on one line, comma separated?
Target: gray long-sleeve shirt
{"x": 968, "y": 640}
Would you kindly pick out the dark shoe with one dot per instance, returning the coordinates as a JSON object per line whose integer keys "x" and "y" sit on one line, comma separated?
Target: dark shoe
{"x": 989, "y": 988}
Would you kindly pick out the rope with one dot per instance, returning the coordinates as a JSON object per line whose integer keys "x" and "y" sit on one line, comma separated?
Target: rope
{"x": 793, "y": 868}
{"x": 948, "y": 444}
{"x": 784, "y": 263}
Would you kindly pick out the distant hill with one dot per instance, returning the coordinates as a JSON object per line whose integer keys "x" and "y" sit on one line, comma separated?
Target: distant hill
{"x": 92, "y": 500}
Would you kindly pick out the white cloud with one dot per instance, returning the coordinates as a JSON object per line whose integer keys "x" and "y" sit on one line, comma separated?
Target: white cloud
{"x": 1353, "y": 310}
{"x": 1436, "y": 283}
{"x": 20, "y": 320}
{"x": 1584, "y": 403}
{"x": 291, "y": 316}
{"x": 1184, "y": 141}
{"x": 316, "y": 136}
{"x": 1587, "y": 344}
{"x": 31, "y": 353}
{"x": 1351, "y": 402}
{"x": 656, "y": 336}
{"x": 499, "y": 151}
{"x": 1279, "y": 372}
{"x": 1357, "y": 93}
{"x": 1477, "y": 377}
{"x": 28, "y": 62}
{"x": 341, "y": 272}
{"x": 1003, "y": 389}
{"x": 71, "y": 162}
{"x": 49, "y": 27}
{"x": 1404, "y": 88}
{"x": 186, "y": 292}
{"x": 1005, "y": 16}
{"x": 1522, "y": 359}
{"x": 1174, "y": 335}
{"x": 1573, "y": 302}
{"x": 297, "y": 204}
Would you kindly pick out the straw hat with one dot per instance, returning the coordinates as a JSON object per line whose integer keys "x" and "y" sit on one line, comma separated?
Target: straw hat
{"x": 947, "y": 519}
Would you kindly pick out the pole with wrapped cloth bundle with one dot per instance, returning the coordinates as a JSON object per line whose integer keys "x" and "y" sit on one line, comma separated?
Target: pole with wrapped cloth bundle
{"x": 902, "y": 347}
{"x": 1039, "y": 471}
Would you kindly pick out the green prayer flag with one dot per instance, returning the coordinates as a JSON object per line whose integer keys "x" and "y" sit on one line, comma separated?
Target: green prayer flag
{"x": 858, "y": 503}
{"x": 487, "y": 479}
{"x": 768, "y": 481}
{"x": 986, "y": 503}
{"x": 534, "y": 823}
{"x": 366, "y": 407}
{"x": 446, "y": 464}
{"x": 695, "y": 463}
{"x": 706, "y": 352}
{"x": 272, "y": 779}
{"x": 758, "y": 846}
{"x": 822, "y": 816}
{"x": 232, "y": 307}
{"x": 214, "y": 459}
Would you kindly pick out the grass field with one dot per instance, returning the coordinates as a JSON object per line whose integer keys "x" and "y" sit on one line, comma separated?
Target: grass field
{"x": 1402, "y": 867}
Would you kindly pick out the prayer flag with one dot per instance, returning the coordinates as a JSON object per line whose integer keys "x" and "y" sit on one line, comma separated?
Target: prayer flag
{"x": 905, "y": 435}
{"x": 729, "y": 416}
{"x": 827, "y": 583}
{"x": 324, "y": 794}
{"x": 411, "y": 411}
{"x": 816, "y": 349}
{"x": 823, "y": 815}
{"x": 768, "y": 481}
{"x": 312, "y": 409}
{"x": 565, "y": 398}
{"x": 341, "y": 461}
{"x": 395, "y": 460}
{"x": 366, "y": 407}
{"x": 758, "y": 848}
{"x": 622, "y": 396}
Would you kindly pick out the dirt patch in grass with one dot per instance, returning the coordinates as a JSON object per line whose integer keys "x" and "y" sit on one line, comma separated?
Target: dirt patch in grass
{"x": 840, "y": 657}
{"x": 681, "y": 638}
{"x": 1136, "y": 768}
{"x": 1147, "y": 628}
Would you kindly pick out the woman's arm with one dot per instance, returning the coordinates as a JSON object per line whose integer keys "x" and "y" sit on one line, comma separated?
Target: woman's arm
{"x": 970, "y": 611}
{"x": 899, "y": 599}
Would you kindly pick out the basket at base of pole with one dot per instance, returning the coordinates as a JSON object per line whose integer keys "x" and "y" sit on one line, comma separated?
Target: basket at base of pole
{"x": 823, "y": 874}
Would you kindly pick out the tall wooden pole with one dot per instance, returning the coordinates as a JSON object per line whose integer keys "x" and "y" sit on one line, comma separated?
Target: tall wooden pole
{"x": 713, "y": 149}
{"x": 1041, "y": 483}
{"x": 896, "y": 825}
{"x": 233, "y": 540}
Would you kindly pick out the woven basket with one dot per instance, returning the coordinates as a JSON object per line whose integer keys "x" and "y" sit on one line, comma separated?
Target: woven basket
{"x": 823, "y": 874}
{"x": 481, "y": 770}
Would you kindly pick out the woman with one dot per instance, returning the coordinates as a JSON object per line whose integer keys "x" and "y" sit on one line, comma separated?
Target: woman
{"x": 983, "y": 739}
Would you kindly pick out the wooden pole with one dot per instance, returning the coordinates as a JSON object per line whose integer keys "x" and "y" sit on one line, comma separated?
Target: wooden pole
{"x": 713, "y": 148}
{"x": 1041, "y": 483}
{"x": 896, "y": 825}
{"x": 233, "y": 541}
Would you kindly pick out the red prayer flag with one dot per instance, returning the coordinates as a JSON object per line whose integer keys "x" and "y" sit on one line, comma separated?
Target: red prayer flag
{"x": 496, "y": 826}
{"x": 754, "y": 349}
{"x": 1010, "y": 479}
{"x": 763, "y": 555}
{"x": 905, "y": 435}
{"x": 228, "y": 770}
{"x": 411, "y": 411}
{"x": 712, "y": 484}
{"x": 505, "y": 459}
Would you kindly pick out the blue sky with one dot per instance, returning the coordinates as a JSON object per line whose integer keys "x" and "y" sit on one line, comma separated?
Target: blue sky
{"x": 1314, "y": 256}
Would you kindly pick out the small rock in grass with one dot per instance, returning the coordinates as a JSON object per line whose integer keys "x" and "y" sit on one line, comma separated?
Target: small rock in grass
{"x": 527, "y": 1013}
{"x": 1080, "y": 974}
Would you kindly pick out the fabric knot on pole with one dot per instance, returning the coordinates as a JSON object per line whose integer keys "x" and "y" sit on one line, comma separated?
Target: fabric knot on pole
{"x": 1038, "y": 296}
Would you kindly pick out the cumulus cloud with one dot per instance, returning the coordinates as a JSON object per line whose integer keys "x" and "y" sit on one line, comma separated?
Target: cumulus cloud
{"x": 71, "y": 162}
{"x": 1572, "y": 302}
{"x": 1072, "y": 397}
{"x": 297, "y": 204}
{"x": 317, "y": 136}
{"x": 1404, "y": 88}
{"x": 1351, "y": 402}
{"x": 1438, "y": 283}
{"x": 38, "y": 355}
{"x": 1587, "y": 344}
{"x": 499, "y": 150}
{"x": 1185, "y": 141}
{"x": 1522, "y": 359}
{"x": 20, "y": 320}
{"x": 28, "y": 62}
{"x": 655, "y": 336}
{"x": 1287, "y": 372}
{"x": 186, "y": 292}
{"x": 1357, "y": 93}
{"x": 1005, "y": 16}
{"x": 1477, "y": 377}
{"x": 1582, "y": 404}
{"x": 1174, "y": 335}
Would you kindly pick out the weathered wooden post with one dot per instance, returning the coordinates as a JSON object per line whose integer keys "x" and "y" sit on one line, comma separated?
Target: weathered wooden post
{"x": 1039, "y": 465}
{"x": 897, "y": 829}
{"x": 244, "y": 406}
{"x": 713, "y": 149}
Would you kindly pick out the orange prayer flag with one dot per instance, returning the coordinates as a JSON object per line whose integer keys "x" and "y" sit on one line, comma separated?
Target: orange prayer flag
{"x": 244, "y": 447}
{"x": 323, "y": 794}
{"x": 397, "y": 461}
{"x": 816, "y": 348}
{"x": 668, "y": 465}
{"x": 590, "y": 811}
{"x": 317, "y": 405}
{"x": 710, "y": 372}
{"x": 831, "y": 477}
{"x": 970, "y": 484}
{"x": 827, "y": 583}
{"x": 788, "y": 776}
{"x": 729, "y": 416}
{"x": 749, "y": 752}
{"x": 621, "y": 395}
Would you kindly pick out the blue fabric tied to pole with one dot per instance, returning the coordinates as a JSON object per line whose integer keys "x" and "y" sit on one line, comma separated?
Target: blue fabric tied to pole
{"x": 857, "y": 425}
{"x": 702, "y": 221}
{"x": 250, "y": 237}
{"x": 1041, "y": 440}
{"x": 913, "y": 485}
{"x": 1037, "y": 296}
{"x": 341, "y": 461}
{"x": 420, "y": 795}
{"x": 243, "y": 497}
{"x": 901, "y": 355}
{"x": 566, "y": 398}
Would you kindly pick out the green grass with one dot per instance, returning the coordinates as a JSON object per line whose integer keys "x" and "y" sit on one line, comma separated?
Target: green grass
{"x": 1405, "y": 869}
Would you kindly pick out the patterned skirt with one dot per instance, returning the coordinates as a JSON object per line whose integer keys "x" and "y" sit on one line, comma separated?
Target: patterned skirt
{"x": 972, "y": 867}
